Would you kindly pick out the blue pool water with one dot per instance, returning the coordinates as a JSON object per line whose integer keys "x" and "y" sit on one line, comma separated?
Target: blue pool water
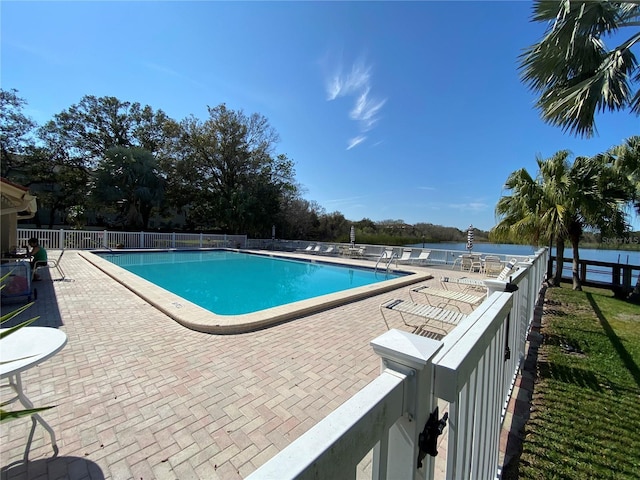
{"x": 231, "y": 283}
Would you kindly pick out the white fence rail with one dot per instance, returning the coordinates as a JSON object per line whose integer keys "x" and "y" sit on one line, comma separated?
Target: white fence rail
{"x": 92, "y": 239}
{"x": 473, "y": 369}
{"x": 437, "y": 257}
{"x": 470, "y": 372}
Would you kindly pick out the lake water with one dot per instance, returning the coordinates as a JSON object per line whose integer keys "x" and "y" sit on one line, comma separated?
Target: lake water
{"x": 603, "y": 255}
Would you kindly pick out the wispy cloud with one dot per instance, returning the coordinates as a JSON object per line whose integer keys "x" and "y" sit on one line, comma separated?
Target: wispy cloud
{"x": 346, "y": 199}
{"x": 170, "y": 72}
{"x": 339, "y": 84}
{"x": 366, "y": 108}
{"x": 43, "y": 54}
{"x": 470, "y": 206}
{"x": 356, "y": 141}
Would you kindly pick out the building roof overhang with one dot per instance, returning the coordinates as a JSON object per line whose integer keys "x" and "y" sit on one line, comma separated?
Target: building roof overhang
{"x": 16, "y": 199}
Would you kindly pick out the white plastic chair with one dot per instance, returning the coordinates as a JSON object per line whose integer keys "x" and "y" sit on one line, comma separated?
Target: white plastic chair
{"x": 51, "y": 264}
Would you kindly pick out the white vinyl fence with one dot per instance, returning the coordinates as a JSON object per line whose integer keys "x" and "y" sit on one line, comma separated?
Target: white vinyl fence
{"x": 94, "y": 239}
{"x": 473, "y": 369}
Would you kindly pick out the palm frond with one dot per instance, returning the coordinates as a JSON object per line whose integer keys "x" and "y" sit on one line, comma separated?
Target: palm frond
{"x": 5, "y": 415}
{"x": 571, "y": 68}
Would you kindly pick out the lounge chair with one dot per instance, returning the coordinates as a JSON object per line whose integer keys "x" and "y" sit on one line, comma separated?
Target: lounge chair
{"x": 405, "y": 257}
{"x": 427, "y": 313}
{"x": 447, "y": 295}
{"x": 423, "y": 257}
{"x": 507, "y": 269}
{"x": 51, "y": 264}
{"x": 464, "y": 282}
{"x": 387, "y": 254}
{"x": 414, "y": 256}
{"x": 330, "y": 250}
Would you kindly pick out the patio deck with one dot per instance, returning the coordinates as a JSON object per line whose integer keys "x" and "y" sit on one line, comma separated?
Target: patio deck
{"x": 140, "y": 396}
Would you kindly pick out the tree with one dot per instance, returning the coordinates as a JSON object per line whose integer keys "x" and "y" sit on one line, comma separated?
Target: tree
{"x": 571, "y": 68}
{"x": 58, "y": 184}
{"x": 15, "y": 128}
{"x": 332, "y": 226}
{"x": 300, "y": 218}
{"x": 560, "y": 203}
{"x": 96, "y": 124}
{"x": 553, "y": 176}
{"x": 533, "y": 211}
{"x": 128, "y": 180}
{"x": 226, "y": 176}
{"x": 597, "y": 195}
{"x": 625, "y": 159}
{"x": 80, "y": 137}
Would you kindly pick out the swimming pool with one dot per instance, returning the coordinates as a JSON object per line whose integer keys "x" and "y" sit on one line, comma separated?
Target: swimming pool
{"x": 233, "y": 283}
{"x": 195, "y": 316}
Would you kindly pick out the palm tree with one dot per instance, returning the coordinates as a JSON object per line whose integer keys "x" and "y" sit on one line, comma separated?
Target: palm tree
{"x": 572, "y": 69}
{"x": 129, "y": 177}
{"x": 596, "y": 197}
{"x": 560, "y": 203}
{"x": 625, "y": 159}
{"x": 518, "y": 212}
{"x": 553, "y": 176}
{"x": 534, "y": 210}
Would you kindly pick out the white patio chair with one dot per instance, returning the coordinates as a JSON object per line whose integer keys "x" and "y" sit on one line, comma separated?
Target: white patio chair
{"x": 51, "y": 264}
{"x": 492, "y": 266}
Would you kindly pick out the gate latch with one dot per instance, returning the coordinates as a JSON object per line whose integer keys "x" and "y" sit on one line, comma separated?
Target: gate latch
{"x": 427, "y": 442}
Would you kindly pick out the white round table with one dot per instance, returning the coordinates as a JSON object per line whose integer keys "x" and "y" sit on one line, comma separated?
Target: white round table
{"x": 20, "y": 351}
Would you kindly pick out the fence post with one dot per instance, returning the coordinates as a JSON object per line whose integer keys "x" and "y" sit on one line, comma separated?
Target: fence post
{"x": 494, "y": 285}
{"x": 397, "y": 457}
{"x": 105, "y": 239}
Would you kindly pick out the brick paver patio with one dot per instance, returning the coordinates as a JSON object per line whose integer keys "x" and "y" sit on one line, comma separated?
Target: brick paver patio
{"x": 139, "y": 396}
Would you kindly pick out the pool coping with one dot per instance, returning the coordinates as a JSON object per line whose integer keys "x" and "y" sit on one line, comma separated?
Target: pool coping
{"x": 197, "y": 318}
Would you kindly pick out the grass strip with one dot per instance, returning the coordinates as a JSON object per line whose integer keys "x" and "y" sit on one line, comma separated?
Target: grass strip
{"x": 585, "y": 412}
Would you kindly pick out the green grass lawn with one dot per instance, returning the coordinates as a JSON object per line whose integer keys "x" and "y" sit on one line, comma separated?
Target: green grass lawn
{"x": 585, "y": 418}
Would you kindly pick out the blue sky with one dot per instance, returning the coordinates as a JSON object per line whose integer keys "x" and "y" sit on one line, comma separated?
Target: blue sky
{"x": 389, "y": 110}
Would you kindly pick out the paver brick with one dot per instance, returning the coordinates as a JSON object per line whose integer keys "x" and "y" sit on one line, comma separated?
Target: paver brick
{"x": 144, "y": 397}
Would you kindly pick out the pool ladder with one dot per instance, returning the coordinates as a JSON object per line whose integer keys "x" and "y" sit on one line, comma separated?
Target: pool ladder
{"x": 384, "y": 255}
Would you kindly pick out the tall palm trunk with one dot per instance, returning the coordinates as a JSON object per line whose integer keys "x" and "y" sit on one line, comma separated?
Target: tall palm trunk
{"x": 557, "y": 279}
{"x": 575, "y": 232}
{"x": 550, "y": 263}
{"x": 575, "y": 269}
